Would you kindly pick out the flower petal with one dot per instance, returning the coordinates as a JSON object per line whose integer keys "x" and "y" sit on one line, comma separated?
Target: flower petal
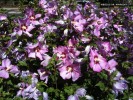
{"x": 14, "y": 69}
{"x": 39, "y": 55}
{"x": 6, "y": 63}
{"x": 4, "y": 74}
{"x": 32, "y": 55}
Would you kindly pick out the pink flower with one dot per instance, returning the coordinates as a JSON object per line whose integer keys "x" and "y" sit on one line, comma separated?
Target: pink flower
{"x": 66, "y": 54}
{"x": 111, "y": 65}
{"x": 106, "y": 46}
{"x": 71, "y": 71}
{"x": 36, "y": 50}
{"x": 43, "y": 74}
{"x": 61, "y": 52}
{"x": 97, "y": 62}
{"x": 79, "y": 22}
{"x": 99, "y": 23}
{"x": 118, "y": 27}
{"x": 67, "y": 13}
{"x": 43, "y": 3}
{"x": 31, "y": 16}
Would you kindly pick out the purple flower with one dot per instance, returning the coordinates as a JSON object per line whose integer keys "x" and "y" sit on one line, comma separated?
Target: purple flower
{"x": 99, "y": 23}
{"x": 3, "y": 54}
{"x": 24, "y": 27}
{"x": 41, "y": 38}
{"x": 112, "y": 64}
{"x": 119, "y": 86}
{"x": 130, "y": 71}
{"x": 29, "y": 14}
{"x": 44, "y": 20}
{"x": 118, "y": 27}
{"x": 3, "y": 17}
{"x": 67, "y": 54}
{"x": 19, "y": 55}
{"x": 106, "y": 46}
{"x": 45, "y": 96}
{"x": 73, "y": 97}
{"x": 85, "y": 39}
{"x": 66, "y": 72}
{"x": 22, "y": 86}
{"x": 31, "y": 93}
{"x": 63, "y": 54}
{"x": 46, "y": 60}
{"x": 72, "y": 42}
{"x": 43, "y": 3}
{"x": 25, "y": 74}
{"x": 43, "y": 74}
{"x": 79, "y": 22}
{"x": 89, "y": 6}
{"x": 97, "y": 62}
{"x": 6, "y": 68}
{"x": 60, "y": 22}
{"x": 48, "y": 28}
{"x": 67, "y": 13}
{"x": 51, "y": 8}
{"x": 81, "y": 92}
{"x": 34, "y": 79}
{"x": 36, "y": 50}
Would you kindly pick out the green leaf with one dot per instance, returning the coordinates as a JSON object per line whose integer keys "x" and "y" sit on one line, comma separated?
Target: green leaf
{"x": 41, "y": 86}
{"x": 62, "y": 97}
{"x": 22, "y": 63}
{"x": 131, "y": 95}
{"x": 51, "y": 89}
{"x": 130, "y": 78}
{"x": 101, "y": 85}
{"x": 103, "y": 76}
{"x": 123, "y": 48}
{"x": 126, "y": 65}
{"x": 40, "y": 97}
{"x": 18, "y": 98}
{"x": 69, "y": 91}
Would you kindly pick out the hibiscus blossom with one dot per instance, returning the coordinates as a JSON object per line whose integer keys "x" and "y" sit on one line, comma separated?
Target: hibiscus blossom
{"x": 24, "y": 27}
{"x": 97, "y": 62}
{"x": 71, "y": 71}
{"x": 36, "y": 50}
{"x": 30, "y": 14}
{"x": 6, "y": 68}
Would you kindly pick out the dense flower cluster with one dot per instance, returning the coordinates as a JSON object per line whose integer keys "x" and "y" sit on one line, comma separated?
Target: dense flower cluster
{"x": 56, "y": 49}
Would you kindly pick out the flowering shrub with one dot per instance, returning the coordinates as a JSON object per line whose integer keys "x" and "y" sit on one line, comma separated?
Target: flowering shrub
{"x": 60, "y": 50}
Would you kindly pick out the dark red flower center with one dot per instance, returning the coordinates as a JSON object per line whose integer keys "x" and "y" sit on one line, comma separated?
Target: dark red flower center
{"x": 99, "y": 22}
{"x": 69, "y": 69}
{"x": 63, "y": 55}
{"x": 96, "y": 60}
{"x": 37, "y": 49}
